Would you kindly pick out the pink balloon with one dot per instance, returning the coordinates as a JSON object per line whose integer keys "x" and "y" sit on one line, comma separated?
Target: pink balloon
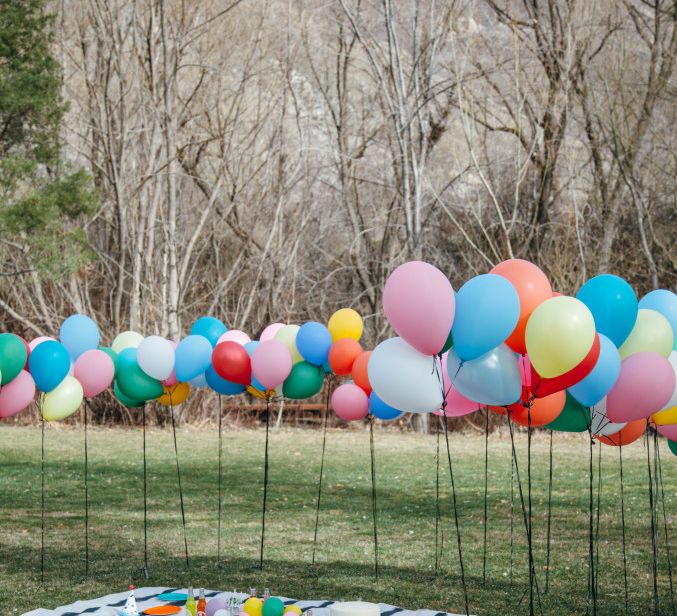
{"x": 16, "y": 395}
{"x": 235, "y": 335}
{"x": 644, "y": 386}
{"x": 350, "y": 402}
{"x": 457, "y": 404}
{"x": 669, "y": 431}
{"x": 419, "y": 303}
{"x": 95, "y": 371}
{"x": 36, "y": 341}
{"x": 271, "y": 363}
{"x": 270, "y": 331}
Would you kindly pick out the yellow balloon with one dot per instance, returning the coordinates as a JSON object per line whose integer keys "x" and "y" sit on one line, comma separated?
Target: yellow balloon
{"x": 174, "y": 395}
{"x": 126, "y": 340}
{"x": 666, "y": 417}
{"x": 559, "y": 334}
{"x": 652, "y": 332}
{"x": 62, "y": 401}
{"x": 287, "y": 336}
{"x": 293, "y": 608}
{"x": 253, "y": 606}
{"x": 345, "y": 323}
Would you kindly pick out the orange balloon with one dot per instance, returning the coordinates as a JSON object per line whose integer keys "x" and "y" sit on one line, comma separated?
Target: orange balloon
{"x": 532, "y": 287}
{"x": 543, "y": 410}
{"x": 632, "y": 431}
{"x": 359, "y": 371}
{"x": 343, "y": 354}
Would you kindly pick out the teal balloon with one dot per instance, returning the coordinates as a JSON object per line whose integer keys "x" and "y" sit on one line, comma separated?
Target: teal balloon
{"x": 78, "y": 334}
{"x": 49, "y": 364}
{"x": 13, "y": 356}
{"x": 127, "y": 357}
{"x": 672, "y": 445}
{"x": 574, "y": 417}
{"x": 210, "y": 328}
{"x": 665, "y": 302}
{"x": 135, "y": 384}
{"x": 273, "y": 607}
{"x": 304, "y": 381}
{"x": 125, "y": 400}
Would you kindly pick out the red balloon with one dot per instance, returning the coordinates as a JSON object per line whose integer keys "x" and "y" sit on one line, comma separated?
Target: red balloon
{"x": 359, "y": 371}
{"x": 343, "y": 354}
{"x": 231, "y": 362}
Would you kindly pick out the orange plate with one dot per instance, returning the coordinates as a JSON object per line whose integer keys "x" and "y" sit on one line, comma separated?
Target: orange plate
{"x": 163, "y": 610}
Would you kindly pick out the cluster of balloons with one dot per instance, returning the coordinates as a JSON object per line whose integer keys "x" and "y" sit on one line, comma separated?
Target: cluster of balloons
{"x": 601, "y": 360}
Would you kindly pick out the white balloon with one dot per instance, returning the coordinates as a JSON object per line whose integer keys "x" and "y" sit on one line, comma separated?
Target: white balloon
{"x": 673, "y": 399}
{"x": 404, "y": 378}
{"x": 155, "y": 355}
{"x": 599, "y": 422}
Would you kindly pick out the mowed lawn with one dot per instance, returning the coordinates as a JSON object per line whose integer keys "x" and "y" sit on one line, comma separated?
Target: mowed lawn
{"x": 405, "y": 474}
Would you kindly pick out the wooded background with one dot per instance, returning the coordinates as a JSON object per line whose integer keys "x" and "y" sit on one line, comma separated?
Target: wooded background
{"x": 262, "y": 160}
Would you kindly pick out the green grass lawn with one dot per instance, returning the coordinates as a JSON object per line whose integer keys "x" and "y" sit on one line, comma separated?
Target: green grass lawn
{"x": 344, "y": 568}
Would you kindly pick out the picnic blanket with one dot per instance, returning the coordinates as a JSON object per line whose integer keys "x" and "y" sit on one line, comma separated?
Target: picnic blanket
{"x": 146, "y": 597}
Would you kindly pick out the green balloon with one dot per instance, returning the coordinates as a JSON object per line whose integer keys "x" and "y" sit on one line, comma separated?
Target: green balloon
{"x": 136, "y": 384}
{"x": 112, "y": 354}
{"x": 273, "y": 606}
{"x": 672, "y": 446}
{"x": 128, "y": 402}
{"x": 305, "y": 380}
{"x": 447, "y": 345}
{"x": 574, "y": 417}
{"x": 13, "y": 356}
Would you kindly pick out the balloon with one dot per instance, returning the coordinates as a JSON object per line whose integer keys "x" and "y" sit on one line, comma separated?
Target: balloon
{"x": 156, "y": 357}
{"x": 253, "y": 606}
{"x": 665, "y": 302}
{"x": 652, "y": 333}
{"x": 349, "y": 402}
{"x": 645, "y": 384}
{"x": 126, "y": 340}
{"x": 173, "y": 396}
{"x": 49, "y": 363}
{"x": 574, "y": 416}
{"x": 448, "y": 343}
{"x": 235, "y": 335}
{"x": 95, "y": 371}
{"x": 62, "y": 401}
{"x": 629, "y": 434}
{"x": 345, "y": 323}
{"x": 360, "y": 371}
{"x": 672, "y": 402}
{"x": 532, "y": 288}
{"x": 126, "y": 400}
{"x": 135, "y": 384}
{"x": 559, "y": 335}
{"x": 36, "y": 341}
{"x": 127, "y": 357}
{"x": 192, "y": 357}
{"x": 613, "y": 305}
{"x": 455, "y": 404}
{"x": 13, "y": 357}
{"x": 112, "y": 354}
{"x": 404, "y": 378}
{"x": 493, "y": 378}
{"x": 273, "y": 606}
{"x": 269, "y": 332}
{"x": 304, "y": 381}
{"x": 603, "y": 376}
{"x": 17, "y": 394}
{"x": 419, "y": 302}
{"x": 672, "y": 446}
{"x": 343, "y": 354}
{"x": 210, "y": 328}
{"x": 287, "y": 336}
{"x": 222, "y": 386}
{"x": 600, "y": 424}
{"x": 78, "y": 334}
{"x": 487, "y": 311}
{"x": 231, "y": 362}
{"x": 543, "y": 410}
{"x": 668, "y": 431}
{"x": 271, "y": 363}
{"x": 381, "y": 410}
{"x": 214, "y": 605}
{"x": 313, "y": 342}
{"x": 293, "y": 608}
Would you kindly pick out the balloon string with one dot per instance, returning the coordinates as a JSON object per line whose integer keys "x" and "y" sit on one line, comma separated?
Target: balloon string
{"x": 178, "y": 477}
{"x": 653, "y": 524}
{"x": 145, "y": 499}
{"x": 665, "y": 520}
{"x": 220, "y": 507}
{"x": 86, "y": 494}
{"x": 599, "y": 496}
{"x": 625, "y": 559}
{"x": 265, "y": 484}
{"x": 591, "y": 548}
{"x": 437, "y": 500}
{"x": 42, "y": 494}
{"x": 548, "y": 534}
{"x": 458, "y": 531}
{"x": 486, "y": 490}
{"x": 373, "y": 492}
{"x": 512, "y": 499}
{"x": 324, "y": 446}
{"x": 529, "y": 535}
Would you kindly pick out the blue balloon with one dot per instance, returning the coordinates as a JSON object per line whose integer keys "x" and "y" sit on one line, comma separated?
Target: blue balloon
{"x": 78, "y": 334}
{"x": 603, "y": 376}
{"x": 209, "y": 327}
{"x": 327, "y": 368}
{"x": 193, "y": 356}
{"x": 49, "y": 364}
{"x": 493, "y": 378}
{"x": 313, "y": 342}
{"x": 220, "y": 385}
{"x": 613, "y": 304}
{"x": 665, "y": 302}
{"x": 127, "y": 357}
{"x": 487, "y": 311}
{"x": 381, "y": 410}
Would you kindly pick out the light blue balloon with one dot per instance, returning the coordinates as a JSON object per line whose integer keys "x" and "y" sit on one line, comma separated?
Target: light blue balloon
{"x": 220, "y": 385}
{"x": 493, "y": 378}
{"x": 613, "y": 304}
{"x": 193, "y": 357}
{"x": 381, "y": 410}
{"x": 665, "y": 302}
{"x": 49, "y": 364}
{"x": 78, "y": 334}
{"x": 199, "y": 381}
{"x": 313, "y": 342}
{"x": 602, "y": 377}
{"x": 209, "y": 327}
{"x": 127, "y": 357}
{"x": 487, "y": 311}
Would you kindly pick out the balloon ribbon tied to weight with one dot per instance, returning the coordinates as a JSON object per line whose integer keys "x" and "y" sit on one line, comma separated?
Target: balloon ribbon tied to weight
{"x": 319, "y": 484}
{"x": 654, "y": 547}
{"x": 438, "y": 549}
{"x": 592, "y": 596}
{"x": 486, "y": 488}
{"x": 178, "y": 478}
{"x": 265, "y": 483}
{"x": 42, "y": 497}
{"x": 625, "y": 559}
{"x": 86, "y": 493}
{"x": 220, "y": 490}
{"x": 659, "y": 475}
{"x": 146, "y": 572}
{"x": 373, "y": 492}
{"x": 548, "y": 533}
